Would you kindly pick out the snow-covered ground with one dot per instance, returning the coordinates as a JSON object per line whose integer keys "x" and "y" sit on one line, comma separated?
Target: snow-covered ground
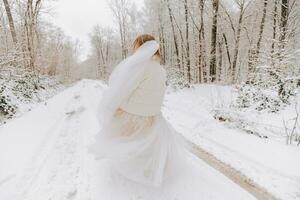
{"x": 269, "y": 162}
{"x": 43, "y": 155}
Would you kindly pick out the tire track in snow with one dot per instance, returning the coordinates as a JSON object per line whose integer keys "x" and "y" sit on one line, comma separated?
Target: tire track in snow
{"x": 231, "y": 173}
{"x": 35, "y": 166}
{"x": 61, "y": 167}
{"x": 57, "y": 168}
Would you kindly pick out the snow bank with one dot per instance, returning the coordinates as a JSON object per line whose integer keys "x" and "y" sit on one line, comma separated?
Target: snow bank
{"x": 21, "y": 89}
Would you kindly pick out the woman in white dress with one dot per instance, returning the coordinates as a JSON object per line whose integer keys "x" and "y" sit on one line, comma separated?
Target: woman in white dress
{"x": 136, "y": 139}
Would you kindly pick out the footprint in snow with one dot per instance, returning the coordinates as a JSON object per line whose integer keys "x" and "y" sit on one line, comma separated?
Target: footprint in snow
{"x": 72, "y": 194}
{"x": 75, "y": 111}
{"x": 77, "y": 96}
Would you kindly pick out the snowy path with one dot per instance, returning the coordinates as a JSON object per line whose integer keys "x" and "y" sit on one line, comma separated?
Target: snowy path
{"x": 43, "y": 156}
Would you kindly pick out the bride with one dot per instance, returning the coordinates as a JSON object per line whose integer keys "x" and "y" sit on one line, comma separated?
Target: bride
{"x": 136, "y": 139}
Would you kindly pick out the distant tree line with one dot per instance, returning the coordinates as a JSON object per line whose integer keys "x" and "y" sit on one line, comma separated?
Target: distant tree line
{"x": 208, "y": 40}
{"x": 29, "y": 42}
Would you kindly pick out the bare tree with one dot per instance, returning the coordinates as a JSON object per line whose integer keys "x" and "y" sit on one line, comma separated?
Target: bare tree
{"x": 174, "y": 34}
{"x": 220, "y": 63}
{"x": 120, "y": 11}
{"x": 227, "y": 49}
{"x": 242, "y": 7}
{"x": 101, "y": 44}
{"x": 188, "y": 61}
{"x": 161, "y": 31}
{"x": 11, "y": 22}
{"x": 202, "y": 52}
{"x": 30, "y": 26}
{"x": 283, "y": 22}
{"x": 253, "y": 58}
{"x": 213, "y": 46}
{"x": 274, "y": 34}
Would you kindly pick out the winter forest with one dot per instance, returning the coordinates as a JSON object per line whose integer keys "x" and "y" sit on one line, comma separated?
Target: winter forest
{"x": 233, "y": 92}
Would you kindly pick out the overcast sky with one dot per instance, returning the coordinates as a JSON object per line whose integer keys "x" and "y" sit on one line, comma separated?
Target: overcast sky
{"x": 78, "y": 17}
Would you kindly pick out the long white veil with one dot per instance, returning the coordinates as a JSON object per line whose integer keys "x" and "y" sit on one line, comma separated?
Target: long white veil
{"x": 124, "y": 78}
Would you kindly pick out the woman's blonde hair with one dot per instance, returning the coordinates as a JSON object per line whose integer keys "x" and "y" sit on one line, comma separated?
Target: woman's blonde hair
{"x": 141, "y": 39}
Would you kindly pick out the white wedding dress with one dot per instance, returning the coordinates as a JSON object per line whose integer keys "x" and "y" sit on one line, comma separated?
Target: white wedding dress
{"x": 136, "y": 139}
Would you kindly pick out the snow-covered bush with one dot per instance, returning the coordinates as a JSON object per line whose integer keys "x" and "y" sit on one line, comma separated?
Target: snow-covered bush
{"x": 19, "y": 87}
{"x": 26, "y": 86}
{"x": 268, "y": 91}
{"x": 176, "y": 79}
{"x": 7, "y": 106}
{"x": 236, "y": 119}
{"x": 258, "y": 98}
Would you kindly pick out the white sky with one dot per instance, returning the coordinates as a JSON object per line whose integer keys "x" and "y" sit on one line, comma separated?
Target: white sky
{"x": 78, "y": 17}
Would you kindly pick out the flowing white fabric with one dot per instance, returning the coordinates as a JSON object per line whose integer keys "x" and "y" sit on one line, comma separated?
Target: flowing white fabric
{"x": 145, "y": 149}
{"x": 124, "y": 78}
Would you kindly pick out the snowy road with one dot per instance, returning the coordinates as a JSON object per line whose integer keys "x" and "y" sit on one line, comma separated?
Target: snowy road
{"x": 43, "y": 156}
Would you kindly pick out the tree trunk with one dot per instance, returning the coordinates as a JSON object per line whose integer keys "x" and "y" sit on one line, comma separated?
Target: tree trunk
{"x": 174, "y": 34}
{"x": 220, "y": 63}
{"x": 237, "y": 43}
{"x": 283, "y": 22}
{"x": 202, "y": 52}
{"x": 254, "y": 58}
{"x": 213, "y": 47}
{"x": 125, "y": 51}
{"x": 182, "y": 44}
{"x": 30, "y": 25}
{"x": 162, "y": 38}
{"x": 29, "y": 35}
{"x": 261, "y": 28}
{"x": 188, "y": 61}
{"x": 120, "y": 11}
{"x": 11, "y": 22}
{"x": 227, "y": 49}
{"x": 275, "y": 14}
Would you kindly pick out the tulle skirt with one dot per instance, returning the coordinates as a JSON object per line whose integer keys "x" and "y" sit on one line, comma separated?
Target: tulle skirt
{"x": 143, "y": 149}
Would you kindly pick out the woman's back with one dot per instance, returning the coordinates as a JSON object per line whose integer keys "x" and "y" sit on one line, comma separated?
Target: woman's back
{"x": 147, "y": 97}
